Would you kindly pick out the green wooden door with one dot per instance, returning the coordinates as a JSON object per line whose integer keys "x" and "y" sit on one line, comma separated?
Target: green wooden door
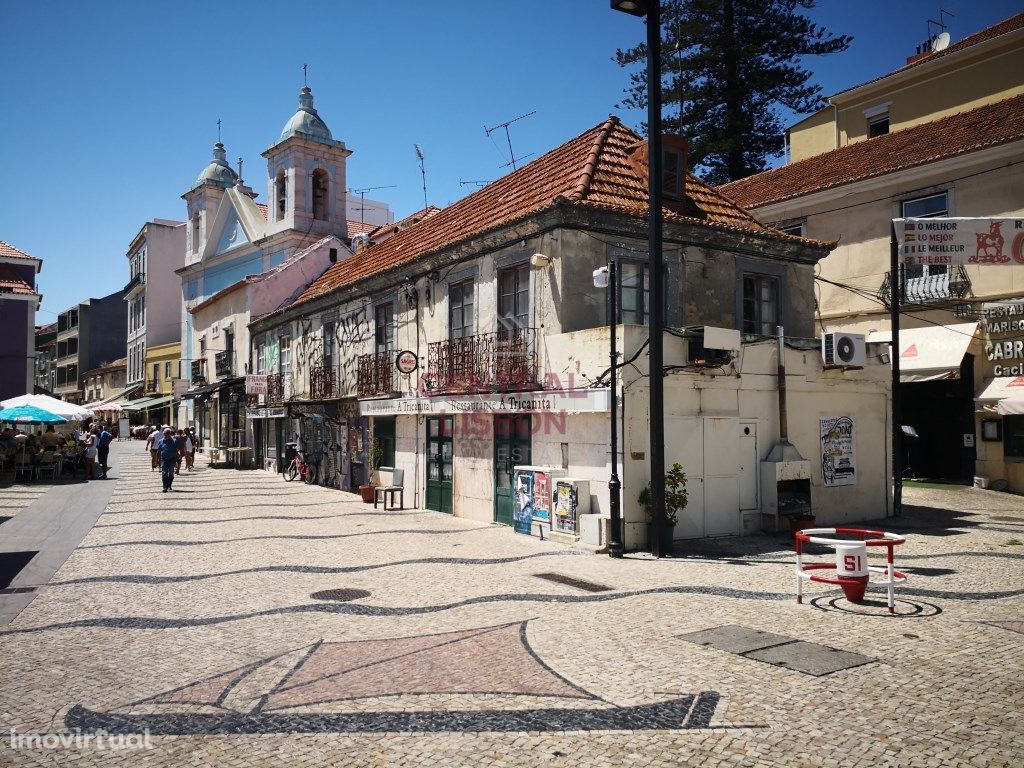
{"x": 439, "y": 462}
{"x": 511, "y": 448}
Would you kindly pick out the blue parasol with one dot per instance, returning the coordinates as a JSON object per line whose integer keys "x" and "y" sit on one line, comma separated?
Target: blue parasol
{"x": 29, "y": 414}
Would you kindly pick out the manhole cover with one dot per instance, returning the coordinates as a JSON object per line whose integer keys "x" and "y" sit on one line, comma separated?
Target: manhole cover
{"x": 569, "y": 581}
{"x": 340, "y": 595}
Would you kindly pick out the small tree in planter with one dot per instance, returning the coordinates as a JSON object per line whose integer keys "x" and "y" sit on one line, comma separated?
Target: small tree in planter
{"x": 374, "y": 452}
{"x": 676, "y": 499}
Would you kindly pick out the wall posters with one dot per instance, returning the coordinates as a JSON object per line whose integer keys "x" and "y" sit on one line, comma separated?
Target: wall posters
{"x": 542, "y": 497}
{"x": 565, "y": 507}
{"x": 522, "y": 500}
{"x": 838, "y": 459}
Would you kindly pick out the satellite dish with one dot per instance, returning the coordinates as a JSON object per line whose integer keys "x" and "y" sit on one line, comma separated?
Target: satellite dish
{"x": 940, "y": 42}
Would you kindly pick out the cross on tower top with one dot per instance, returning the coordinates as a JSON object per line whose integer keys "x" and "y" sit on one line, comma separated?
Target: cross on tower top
{"x": 304, "y": 83}
{"x": 218, "y": 132}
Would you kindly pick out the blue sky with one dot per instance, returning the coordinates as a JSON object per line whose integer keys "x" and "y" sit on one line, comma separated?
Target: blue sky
{"x": 110, "y": 108}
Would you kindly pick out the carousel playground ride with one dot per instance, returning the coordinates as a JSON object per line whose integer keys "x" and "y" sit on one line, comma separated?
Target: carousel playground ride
{"x": 852, "y": 571}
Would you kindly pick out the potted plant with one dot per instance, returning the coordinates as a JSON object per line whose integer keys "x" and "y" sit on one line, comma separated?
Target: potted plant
{"x": 375, "y": 452}
{"x": 676, "y": 500}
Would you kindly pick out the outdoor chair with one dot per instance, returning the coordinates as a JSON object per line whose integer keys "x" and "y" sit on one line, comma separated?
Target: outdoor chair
{"x": 49, "y": 464}
{"x": 397, "y": 486}
{"x": 23, "y": 466}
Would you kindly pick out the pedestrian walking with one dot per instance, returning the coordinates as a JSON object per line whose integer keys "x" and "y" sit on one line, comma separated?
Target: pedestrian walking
{"x": 167, "y": 448}
{"x": 190, "y": 449}
{"x": 151, "y": 441}
{"x": 103, "y": 448}
{"x": 90, "y": 453}
{"x": 179, "y": 440}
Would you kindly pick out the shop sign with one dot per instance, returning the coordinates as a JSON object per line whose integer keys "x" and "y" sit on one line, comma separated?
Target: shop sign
{"x": 406, "y": 362}
{"x": 545, "y": 401}
{"x": 960, "y": 241}
{"x": 256, "y": 384}
{"x": 838, "y": 457}
{"x": 266, "y": 413}
{"x": 1002, "y": 323}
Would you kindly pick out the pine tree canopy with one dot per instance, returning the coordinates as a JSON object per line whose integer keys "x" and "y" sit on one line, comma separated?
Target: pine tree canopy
{"x": 728, "y": 66}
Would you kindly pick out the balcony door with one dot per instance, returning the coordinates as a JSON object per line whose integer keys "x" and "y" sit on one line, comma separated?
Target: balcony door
{"x": 514, "y": 298}
{"x": 440, "y": 449}
{"x": 512, "y": 446}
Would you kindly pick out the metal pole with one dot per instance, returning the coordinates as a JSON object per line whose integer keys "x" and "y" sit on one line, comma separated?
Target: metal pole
{"x": 783, "y": 415}
{"x": 895, "y": 296}
{"x": 657, "y": 316}
{"x": 615, "y": 546}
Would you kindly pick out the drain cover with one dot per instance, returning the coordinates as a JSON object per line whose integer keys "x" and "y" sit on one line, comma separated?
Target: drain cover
{"x": 340, "y": 595}
{"x": 569, "y": 581}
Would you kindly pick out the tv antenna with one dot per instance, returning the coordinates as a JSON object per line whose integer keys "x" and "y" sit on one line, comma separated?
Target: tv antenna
{"x": 508, "y": 138}
{"x": 941, "y": 40}
{"x": 423, "y": 171}
{"x": 362, "y": 197}
{"x": 478, "y": 182}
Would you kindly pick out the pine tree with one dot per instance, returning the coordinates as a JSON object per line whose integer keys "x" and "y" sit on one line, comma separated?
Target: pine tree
{"x": 728, "y": 66}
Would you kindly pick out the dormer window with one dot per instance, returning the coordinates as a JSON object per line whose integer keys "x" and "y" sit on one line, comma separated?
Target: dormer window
{"x": 320, "y": 183}
{"x": 878, "y": 120}
{"x": 282, "y": 194}
{"x": 673, "y": 172}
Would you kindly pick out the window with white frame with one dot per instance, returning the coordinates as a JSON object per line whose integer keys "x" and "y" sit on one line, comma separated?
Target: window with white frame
{"x": 925, "y": 208}
{"x": 460, "y": 309}
{"x": 760, "y": 304}
{"x": 384, "y": 327}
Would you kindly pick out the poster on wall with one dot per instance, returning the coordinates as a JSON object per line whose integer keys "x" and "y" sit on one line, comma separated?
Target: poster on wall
{"x": 566, "y": 502}
{"x": 542, "y": 497}
{"x": 522, "y": 501}
{"x": 838, "y": 460}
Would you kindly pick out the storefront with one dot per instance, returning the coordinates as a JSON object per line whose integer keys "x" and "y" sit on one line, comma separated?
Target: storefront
{"x": 336, "y": 438}
{"x": 268, "y": 437}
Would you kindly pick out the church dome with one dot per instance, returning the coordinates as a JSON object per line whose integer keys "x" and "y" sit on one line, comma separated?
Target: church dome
{"x": 218, "y": 171}
{"x": 306, "y": 122}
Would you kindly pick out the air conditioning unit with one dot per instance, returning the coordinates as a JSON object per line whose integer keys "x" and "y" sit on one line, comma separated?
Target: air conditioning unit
{"x": 844, "y": 349}
{"x": 712, "y": 346}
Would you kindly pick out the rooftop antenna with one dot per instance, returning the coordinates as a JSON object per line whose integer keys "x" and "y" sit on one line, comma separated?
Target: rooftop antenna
{"x": 479, "y": 182}
{"x": 508, "y": 138}
{"x": 423, "y": 171}
{"x": 941, "y": 40}
{"x": 362, "y": 197}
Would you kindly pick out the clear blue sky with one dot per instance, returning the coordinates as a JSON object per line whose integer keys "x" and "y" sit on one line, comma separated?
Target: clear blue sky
{"x": 110, "y": 108}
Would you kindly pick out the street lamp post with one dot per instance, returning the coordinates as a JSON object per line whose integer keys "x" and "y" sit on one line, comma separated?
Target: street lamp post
{"x": 652, "y": 10}
{"x": 605, "y": 278}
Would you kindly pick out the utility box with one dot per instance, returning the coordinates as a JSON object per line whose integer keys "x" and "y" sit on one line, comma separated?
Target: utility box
{"x": 532, "y": 498}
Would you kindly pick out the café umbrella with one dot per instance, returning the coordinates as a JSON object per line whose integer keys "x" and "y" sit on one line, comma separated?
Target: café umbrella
{"x": 29, "y": 414}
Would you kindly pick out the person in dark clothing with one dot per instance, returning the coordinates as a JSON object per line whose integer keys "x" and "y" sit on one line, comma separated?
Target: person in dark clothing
{"x": 167, "y": 449}
{"x": 103, "y": 448}
{"x": 180, "y": 441}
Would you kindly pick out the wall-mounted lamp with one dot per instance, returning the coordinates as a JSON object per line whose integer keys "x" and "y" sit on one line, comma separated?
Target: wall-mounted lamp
{"x": 884, "y": 358}
{"x": 540, "y": 260}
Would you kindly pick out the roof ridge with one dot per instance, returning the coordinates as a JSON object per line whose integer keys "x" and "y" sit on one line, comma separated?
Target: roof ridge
{"x": 590, "y": 164}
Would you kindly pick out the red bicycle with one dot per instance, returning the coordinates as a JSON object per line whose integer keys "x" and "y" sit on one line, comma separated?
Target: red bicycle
{"x": 300, "y": 468}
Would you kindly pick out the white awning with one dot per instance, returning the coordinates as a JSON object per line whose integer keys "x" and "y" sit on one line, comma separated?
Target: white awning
{"x": 931, "y": 353}
{"x": 999, "y": 387}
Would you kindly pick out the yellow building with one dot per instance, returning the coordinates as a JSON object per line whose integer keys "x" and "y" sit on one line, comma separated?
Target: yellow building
{"x": 161, "y": 372}
{"x": 953, "y": 147}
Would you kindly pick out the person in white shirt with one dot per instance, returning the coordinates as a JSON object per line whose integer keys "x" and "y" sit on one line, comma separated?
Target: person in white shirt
{"x": 151, "y": 441}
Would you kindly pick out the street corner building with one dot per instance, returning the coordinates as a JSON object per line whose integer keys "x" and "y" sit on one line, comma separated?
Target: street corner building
{"x": 463, "y": 353}
{"x": 19, "y": 300}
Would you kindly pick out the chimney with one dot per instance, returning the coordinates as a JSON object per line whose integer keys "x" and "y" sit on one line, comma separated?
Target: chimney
{"x": 674, "y": 150}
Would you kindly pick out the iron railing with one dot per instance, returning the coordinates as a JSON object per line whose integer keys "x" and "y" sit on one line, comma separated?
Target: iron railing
{"x": 198, "y": 371}
{"x": 223, "y": 364}
{"x": 375, "y": 374}
{"x": 321, "y": 383}
{"x": 505, "y": 360}
{"x": 275, "y": 389}
{"x": 952, "y": 285}
{"x": 136, "y": 281}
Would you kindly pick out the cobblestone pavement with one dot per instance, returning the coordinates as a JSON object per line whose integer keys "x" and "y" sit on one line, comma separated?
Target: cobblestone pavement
{"x": 190, "y": 614}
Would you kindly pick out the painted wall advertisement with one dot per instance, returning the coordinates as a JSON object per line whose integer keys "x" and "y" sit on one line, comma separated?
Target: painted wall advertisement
{"x": 838, "y": 458}
{"x": 959, "y": 240}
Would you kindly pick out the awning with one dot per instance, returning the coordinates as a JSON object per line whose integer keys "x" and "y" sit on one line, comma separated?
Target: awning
{"x": 931, "y": 353}
{"x": 121, "y": 398}
{"x": 997, "y": 390}
{"x": 207, "y": 389}
{"x": 147, "y": 403}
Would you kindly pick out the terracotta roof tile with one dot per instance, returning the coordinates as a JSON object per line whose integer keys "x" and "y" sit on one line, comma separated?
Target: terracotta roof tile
{"x": 386, "y": 230}
{"x": 592, "y": 170}
{"x": 1002, "y": 28}
{"x": 9, "y": 251}
{"x": 359, "y": 227}
{"x": 10, "y": 282}
{"x": 263, "y": 210}
{"x": 986, "y": 126}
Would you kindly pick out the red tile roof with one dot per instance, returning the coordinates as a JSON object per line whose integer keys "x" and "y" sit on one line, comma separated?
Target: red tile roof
{"x": 386, "y": 230}
{"x": 1002, "y": 28}
{"x": 263, "y": 210}
{"x": 10, "y": 282}
{"x": 354, "y": 227}
{"x": 9, "y": 251}
{"x": 593, "y": 170}
{"x": 986, "y": 126}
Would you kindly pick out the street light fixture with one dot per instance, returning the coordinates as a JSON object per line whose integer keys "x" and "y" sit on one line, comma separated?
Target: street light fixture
{"x": 605, "y": 278}
{"x": 652, "y": 10}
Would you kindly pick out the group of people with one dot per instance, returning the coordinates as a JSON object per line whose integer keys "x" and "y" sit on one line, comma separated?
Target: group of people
{"x": 91, "y": 443}
{"x": 169, "y": 448}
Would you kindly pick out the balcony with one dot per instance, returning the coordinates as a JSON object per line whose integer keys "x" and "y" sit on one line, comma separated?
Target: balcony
{"x": 275, "y": 389}
{"x": 375, "y": 374}
{"x": 198, "y": 372}
{"x": 135, "y": 282}
{"x": 487, "y": 362}
{"x": 152, "y": 384}
{"x": 951, "y": 285}
{"x": 223, "y": 364}
{"x": 322, "y": 383}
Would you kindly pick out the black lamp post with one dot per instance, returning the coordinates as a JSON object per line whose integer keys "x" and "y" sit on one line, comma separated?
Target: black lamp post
{"x": 605, "y": 278}
{"x": 652, "y": 10}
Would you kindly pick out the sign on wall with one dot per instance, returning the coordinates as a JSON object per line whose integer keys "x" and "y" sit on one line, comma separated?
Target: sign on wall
{"x": 545, "y": 401}
{"x": 255, "y": 384}
{"x": 960, "y": 241}
{"x": 838, "y": 457}
{"x": 1002, "y": 324}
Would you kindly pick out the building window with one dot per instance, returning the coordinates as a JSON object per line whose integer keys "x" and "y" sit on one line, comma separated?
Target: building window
{"x": 202, "y": 346}
{"x": 195, "y": 232}
{"x": 261, "y": 358}
{"x": 760, "y": 304}
{"x": 924, "y": 208}
{"x": 330, "y": 346}
{"x": 167, "y": 371}
{"x": 156, "y": 373}
{"x": 460, "y": 309}
{"x": 384, "y": 327}
{"x": 878, "y": 125}
{"x": 1013, "y": 437}
{"x": 634, "y": 293}
{"x": 281, "y": 191}
{"x": 285, "y": 354}
{"x": 673, "y": 172}
{"x": 320, "y": 185}
{"x": 514, "y": 297}
{"x": 791, "y": 229}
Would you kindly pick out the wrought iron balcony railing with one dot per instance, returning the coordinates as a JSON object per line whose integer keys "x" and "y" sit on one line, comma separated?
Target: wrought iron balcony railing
{"x": 322, "y": 383}
{"x": 199, "y": 372}
{"x": 139, "y": 279}
{"x": 275, "y": 389}
{"x": 952, "y": 285}
{"x": 375, "y": 374}
{"x": 223, "y": 364}
{"x": 505, "y": 360}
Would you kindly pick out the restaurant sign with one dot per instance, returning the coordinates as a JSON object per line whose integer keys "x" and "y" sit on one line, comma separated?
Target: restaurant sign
{"x": 1002, "y": 323}
{"x": 266, "y": 413}
{"x": 545, "y": 401}
{"x": 255, "y": 384}
{"x": 964, "y": 241}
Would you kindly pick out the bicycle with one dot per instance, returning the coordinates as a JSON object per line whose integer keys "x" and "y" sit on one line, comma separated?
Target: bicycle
{"x": 300, "y": 468}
